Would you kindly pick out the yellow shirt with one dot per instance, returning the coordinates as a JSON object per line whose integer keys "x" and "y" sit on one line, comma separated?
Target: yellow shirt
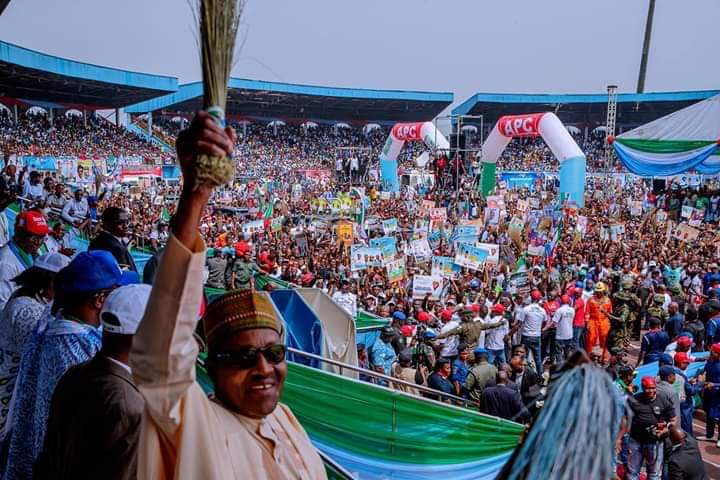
{"x": 184, "y": 434}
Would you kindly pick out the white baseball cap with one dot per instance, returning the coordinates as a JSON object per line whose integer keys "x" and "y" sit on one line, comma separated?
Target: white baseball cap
{"x": 124, "y": 308}
{"x": 52, "y": 262}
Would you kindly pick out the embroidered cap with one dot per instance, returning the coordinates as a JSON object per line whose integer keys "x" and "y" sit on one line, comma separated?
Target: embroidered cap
{"x": 239, "y": 310}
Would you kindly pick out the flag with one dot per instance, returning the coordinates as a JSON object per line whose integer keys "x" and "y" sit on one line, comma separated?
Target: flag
{"x": 268, "y": 210}
{"x": 165, "y": 215}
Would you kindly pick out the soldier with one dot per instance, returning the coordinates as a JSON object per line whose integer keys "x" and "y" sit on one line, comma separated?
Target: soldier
{"x": 656, "y": 310}
{"x": 627, "y": 307}
{"x": 469, "y": 330}
{"x": 678, "y": 296}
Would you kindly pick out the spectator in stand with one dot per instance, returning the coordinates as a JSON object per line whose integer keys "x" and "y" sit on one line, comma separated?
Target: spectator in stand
{"x": 21, "y": 317}
{"x": 76, "y": 210}
{"x": 19, "y": 254}
{"x": 112, "y": 237}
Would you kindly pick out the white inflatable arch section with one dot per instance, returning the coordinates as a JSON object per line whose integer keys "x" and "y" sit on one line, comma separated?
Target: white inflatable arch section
{"x": 548, "y": 126}
{"x": 401, "y": 133}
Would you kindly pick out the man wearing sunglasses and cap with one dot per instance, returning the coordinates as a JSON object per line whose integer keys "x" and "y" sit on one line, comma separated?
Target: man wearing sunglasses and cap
{"x": 243, "y": 432}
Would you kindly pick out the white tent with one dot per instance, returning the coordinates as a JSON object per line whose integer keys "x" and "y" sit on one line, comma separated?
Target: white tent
{"x": 469, "y": 128}
{"x": 370, "y": 127}
{"x": 73, "y": 113}
{"x": 573, "y": 129}
{"x": 36, "y": 111}
{"x": 673, "y": 144}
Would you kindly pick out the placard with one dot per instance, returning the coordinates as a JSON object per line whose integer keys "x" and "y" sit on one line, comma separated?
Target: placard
{"x": 420, "y": 249}
{"x": 424, "y": 284}
{"x": 493, "y": 250}
{"x": 444, "y": 267}
{"x": 396, "y": 270}
{"x": 362, "y": 257}
{"x": 470, "y": 256}
{"x": 390, "y": 226}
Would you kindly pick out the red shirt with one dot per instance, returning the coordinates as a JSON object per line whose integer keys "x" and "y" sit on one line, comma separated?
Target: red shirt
{"x": 242, "y": 248}
{"x": 579, "y": 320}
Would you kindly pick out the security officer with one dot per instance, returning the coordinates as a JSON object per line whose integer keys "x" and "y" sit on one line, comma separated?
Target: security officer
{"x": 469, "y": 331}
{"x": 627, "y": 307}
{"x": 656, "y": 310}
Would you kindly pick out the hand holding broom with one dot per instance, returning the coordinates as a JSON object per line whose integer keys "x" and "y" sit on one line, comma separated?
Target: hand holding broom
{"x": 218, "y": 22}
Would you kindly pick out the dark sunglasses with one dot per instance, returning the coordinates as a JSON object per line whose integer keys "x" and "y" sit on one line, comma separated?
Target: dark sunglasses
{"x": 248, "y": 357}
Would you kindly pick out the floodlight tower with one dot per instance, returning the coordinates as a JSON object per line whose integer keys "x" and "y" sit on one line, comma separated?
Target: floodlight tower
{"x": 610, "y": 124}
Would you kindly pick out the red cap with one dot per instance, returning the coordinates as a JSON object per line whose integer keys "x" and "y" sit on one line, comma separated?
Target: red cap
{"x": 715, "y": 348}
{"x": 406, "y": 330}
{"x": 498, "y": 308}
{"x": 423, "y": 317}
{"x": 684, "y": 341}
{"x": 32, "y": 222}
{"x": 648, "y": 382}
{"x": 681, "y": 357}
{"x": 242, "y": 248}
{"x": 565, "y": 299}
{"x": 536, "y": 295}
{"x": 475, "y": 307}
{"x": 446, "y": 315}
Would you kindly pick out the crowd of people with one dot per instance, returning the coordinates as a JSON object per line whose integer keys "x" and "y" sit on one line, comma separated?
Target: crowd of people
{"x": 628, "y": 274}
{"x": 37, "y": 134}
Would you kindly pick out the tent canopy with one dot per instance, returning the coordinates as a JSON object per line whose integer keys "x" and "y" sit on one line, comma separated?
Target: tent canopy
{"x": 683, "y": 140}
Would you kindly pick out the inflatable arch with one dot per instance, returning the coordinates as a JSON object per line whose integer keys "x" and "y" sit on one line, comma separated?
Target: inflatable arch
{"x": 401, "y": 133}
{"x": 550, "y": 128}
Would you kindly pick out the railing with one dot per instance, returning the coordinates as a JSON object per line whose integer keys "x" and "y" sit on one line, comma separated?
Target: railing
{"x": 337, "y": 469}
{"x": 454, "y": 399}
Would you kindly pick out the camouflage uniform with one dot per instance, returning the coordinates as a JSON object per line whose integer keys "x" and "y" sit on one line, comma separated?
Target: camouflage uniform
{"x": 627, "y": 307}
{"x": 656, "y": 310}
{"x": 470, "y": 331}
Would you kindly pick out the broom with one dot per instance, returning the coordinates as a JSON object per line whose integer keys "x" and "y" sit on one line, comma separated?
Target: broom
{"x": 218, "y": 21}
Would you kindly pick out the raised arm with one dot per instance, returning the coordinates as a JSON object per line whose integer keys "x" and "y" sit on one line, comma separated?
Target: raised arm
{"x": 164, "y": 351}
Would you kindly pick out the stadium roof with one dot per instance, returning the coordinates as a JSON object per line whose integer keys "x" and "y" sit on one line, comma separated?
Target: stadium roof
{"x": 580, "y": 109}
{"x": 260, "y": 100}
{"x": 35, "y": 78}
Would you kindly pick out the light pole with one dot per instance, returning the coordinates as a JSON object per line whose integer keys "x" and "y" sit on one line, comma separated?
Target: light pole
{"x": 646, "y": 47}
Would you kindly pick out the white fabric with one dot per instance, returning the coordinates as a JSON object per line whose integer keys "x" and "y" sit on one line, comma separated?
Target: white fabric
{"x": 10, "y": 267}
{"x": 339, "y": 336}
{"x": 563, "y": 319}
{"x": 52, "y": 262}
{"x": 347, "y": 301}
{"x": 449, "y": 344}
{"x": 532, "y": 319}
{"x": 700, "y": 121}
{"x": 495, "y": 338}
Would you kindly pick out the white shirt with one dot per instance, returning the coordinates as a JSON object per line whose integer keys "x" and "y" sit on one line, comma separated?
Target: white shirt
{"x": 74, "y": 210}
{"x": 532, "y": 319}
{"x": 5, "y": 233}
{"x": 10, "y": 267}
{"x": 563, "y": 318}
{"x": 354, "y": 164}
{"x": 449, "y": 344}
{"x": 347, "y": 301}
{"x": 54, "y": 246}
{"x": 495, "y": 338}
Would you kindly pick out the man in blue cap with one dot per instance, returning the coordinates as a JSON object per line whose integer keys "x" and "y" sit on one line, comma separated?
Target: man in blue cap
{"x": 480, "y": 374}
{"x": 67, "y": 336}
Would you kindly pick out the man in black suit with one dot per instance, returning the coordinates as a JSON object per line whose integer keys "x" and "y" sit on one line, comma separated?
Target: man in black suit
{"x": 527, "y": 380}
{"x": 115, "y": 222}
{"x": 682, "y": 457}
{"x": 503, "y": 400}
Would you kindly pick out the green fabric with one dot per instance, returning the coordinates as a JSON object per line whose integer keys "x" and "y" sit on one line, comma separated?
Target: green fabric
{"x": 367, "y": 321}
{"x": 487, "y": 179}
{"x": 663, "y": 146}
{"x": 383, "y": 424}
